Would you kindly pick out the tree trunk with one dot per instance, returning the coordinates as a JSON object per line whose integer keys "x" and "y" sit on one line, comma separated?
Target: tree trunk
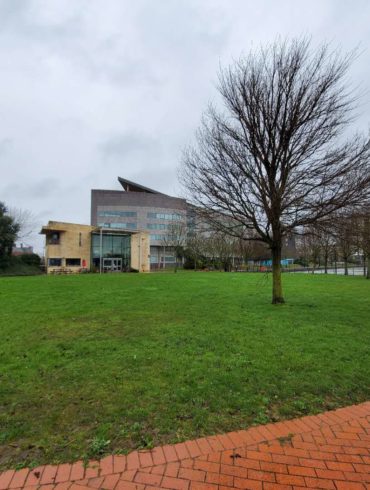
{"x": 277, "y": 289}
{"x": 364, "y": 266}
{"x": 345, "y": 266}
{"x": 326, "y": 263}
{"x": 368, "y": 267}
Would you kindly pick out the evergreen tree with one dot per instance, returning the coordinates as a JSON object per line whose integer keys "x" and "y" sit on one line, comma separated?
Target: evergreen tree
{"x": 8, "y": 234}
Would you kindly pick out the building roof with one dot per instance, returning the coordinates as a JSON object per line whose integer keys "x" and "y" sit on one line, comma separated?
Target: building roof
{"x": 61, "y": 226}
{"x": 134, "y": 187}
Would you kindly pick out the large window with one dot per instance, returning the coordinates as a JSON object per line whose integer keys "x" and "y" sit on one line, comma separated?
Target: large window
{"x": 124, "y": 214}
{"x": 157, "y": 226}
{"x": 55, "y": 262}
{"x": 157, "y": 237}
{"x": 168, "y": 258}
{"x": 73, "y": 262}
{"x": 119, "y": 226}
{"x": 118, "y": 246}
{"x": 54, "y": 238}
{"x": 165, "y": 216}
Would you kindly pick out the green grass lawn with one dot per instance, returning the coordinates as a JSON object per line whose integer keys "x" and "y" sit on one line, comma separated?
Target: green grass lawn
{"x": 92, "y": 364}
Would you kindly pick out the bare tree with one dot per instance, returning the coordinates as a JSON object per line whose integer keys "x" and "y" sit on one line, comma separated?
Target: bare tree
{"x": 326, "y": 241}
{"x": 361, "y": 223}
{"x": 366, "y": 242}
{"x": 196, "y": 249}
{"x": 175, "y": 240}
{"x": 276, "y": 159}
{"x": 316, "y": 243}
{"x": 26, "y": 221}
{"x": 222, "y": 249}
{"x": 346, "y": 237}
{"x": 314, "y": 249}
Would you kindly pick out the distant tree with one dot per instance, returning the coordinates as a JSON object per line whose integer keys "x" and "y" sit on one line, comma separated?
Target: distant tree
{"x": 346, "y": 237}
{"x": 361, "y": 223}
{"x": 175, "y": 240}
{"x": 277, "y": 159}
{"x": 315, "y": 252}
{"x": 222, "y": 249}
{"x": 26, "y": 221}
{"x": 196, "y": 251}
{"x": 316, "y": 244}
{"x": 8, "y": 234}
{"x": 365, "y": 240}
{"x": 324, "y": 233}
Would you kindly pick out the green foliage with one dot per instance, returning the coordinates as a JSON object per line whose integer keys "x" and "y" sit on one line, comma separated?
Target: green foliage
{"x": 20, "y": 266}
{"x": 301, "y": 261}
{"x": 98, "y": 446}
{"x": 8, "y": 235}
{"x": 30, "y": 259}
{"x": 148, "y": 359}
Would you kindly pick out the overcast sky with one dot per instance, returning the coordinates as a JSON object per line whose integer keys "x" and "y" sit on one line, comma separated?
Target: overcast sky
{"x": 93, "y": 89}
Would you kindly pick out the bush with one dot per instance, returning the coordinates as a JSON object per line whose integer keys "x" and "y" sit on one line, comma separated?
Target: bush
{"x": 30, "y": 259}
{"x": 301, "y": 261}
{"x": 18, "y": 266}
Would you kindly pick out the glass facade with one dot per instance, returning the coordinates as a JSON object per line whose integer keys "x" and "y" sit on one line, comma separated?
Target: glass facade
{"x": 159, "y": 237}
{"x": 113, "y": 245}
{"x": 123, "y": 226}
{"x": 157, "y": 226}
{"x": 166, "y": 216}
{"x": 120, "y": 214}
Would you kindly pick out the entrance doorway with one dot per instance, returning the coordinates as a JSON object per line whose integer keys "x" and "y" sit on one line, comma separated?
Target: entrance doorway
{"x": 112, "y": 264}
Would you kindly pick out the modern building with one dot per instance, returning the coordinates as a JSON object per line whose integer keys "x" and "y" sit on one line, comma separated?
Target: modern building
{"x": 71, "y": 247}
{"x": 136, "y": 207}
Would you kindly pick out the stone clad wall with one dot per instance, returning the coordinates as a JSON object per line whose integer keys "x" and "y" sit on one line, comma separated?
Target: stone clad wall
{"x": 75, "y": 243}
{"x": 140, "y": 252}
{"x": 70, "y": 245}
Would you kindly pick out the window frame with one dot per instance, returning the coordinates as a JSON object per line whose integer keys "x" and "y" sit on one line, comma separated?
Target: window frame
{"x": 73, "y": 259}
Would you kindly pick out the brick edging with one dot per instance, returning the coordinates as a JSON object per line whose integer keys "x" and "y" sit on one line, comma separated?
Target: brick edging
{"x": 58, "y": 474}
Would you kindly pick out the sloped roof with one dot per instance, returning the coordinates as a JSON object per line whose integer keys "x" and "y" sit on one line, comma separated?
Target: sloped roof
{"x": 134, "y": 187}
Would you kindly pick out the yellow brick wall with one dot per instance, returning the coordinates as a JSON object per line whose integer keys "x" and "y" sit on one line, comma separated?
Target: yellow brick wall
{"x": 70, "y": 245}
{"x": 75, "y": 246}
{"x": 140, "y": 252}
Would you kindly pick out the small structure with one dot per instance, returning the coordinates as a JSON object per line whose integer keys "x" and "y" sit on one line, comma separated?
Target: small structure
{"x": 75, "y": 248}
{"x": 22, "y": 250}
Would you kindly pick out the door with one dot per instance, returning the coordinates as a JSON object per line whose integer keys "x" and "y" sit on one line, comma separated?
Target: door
{"x": 112, "y": 264}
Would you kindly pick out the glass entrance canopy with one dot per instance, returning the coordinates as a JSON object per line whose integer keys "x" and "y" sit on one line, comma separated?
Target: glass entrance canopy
{"x": 108, "y": 244}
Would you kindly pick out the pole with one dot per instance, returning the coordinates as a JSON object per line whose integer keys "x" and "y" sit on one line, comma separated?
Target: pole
{"x": 101, "y": 250}
{"x": 139, "y": 251}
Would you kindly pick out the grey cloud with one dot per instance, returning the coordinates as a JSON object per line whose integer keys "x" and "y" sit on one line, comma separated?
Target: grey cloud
{"x": 91, "y": 90}
{"x": 5, "y": 146}
{"x": 38, "y": 190}
{"x": 122, "y": 145}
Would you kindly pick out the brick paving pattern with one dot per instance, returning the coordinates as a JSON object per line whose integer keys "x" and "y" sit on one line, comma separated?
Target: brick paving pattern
{"x": 326, "y": 451}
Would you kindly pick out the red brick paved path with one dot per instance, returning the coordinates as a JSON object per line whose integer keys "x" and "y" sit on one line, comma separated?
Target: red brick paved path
{"x": 329, "y": 451}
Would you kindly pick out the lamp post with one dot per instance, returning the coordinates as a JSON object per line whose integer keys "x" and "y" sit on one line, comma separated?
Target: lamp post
{"x": 101, "y": 250}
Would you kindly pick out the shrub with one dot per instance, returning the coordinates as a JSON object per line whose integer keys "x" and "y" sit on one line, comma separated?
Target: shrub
{"x": 30, "y": 259}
